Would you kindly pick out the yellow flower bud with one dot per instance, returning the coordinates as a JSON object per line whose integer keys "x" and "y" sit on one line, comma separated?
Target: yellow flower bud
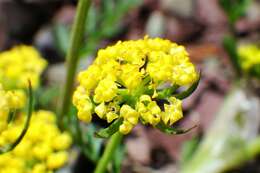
{"x": 57, "y": 160}
{"x": 106, "y": 90}
{"x": 126, "y": 127}
{"x": 173, "y": 112}
{"x": 62, "y": 142}
{"x": 111, "y": 116}
{"x": 101, "y": 110}
{"x": 129, "y": 114}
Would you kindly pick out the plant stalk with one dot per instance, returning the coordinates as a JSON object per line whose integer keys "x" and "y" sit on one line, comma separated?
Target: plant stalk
{"x": 72, "y": 58}
{"x": 109, "y": 152}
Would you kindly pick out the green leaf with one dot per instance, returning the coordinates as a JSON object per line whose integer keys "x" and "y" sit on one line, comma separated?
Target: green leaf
{"x": 230, "y": 45}
{"x": 118, "y": 159}
{"x": 189, "y": 149}
{"x": 234, "y": 8}
{"x": 45, "y": 96}
{"x": 171, "y": 130}
{"x": 165, "y": 93}
{"x": 110, "y": 130}
{"x": 189, "y": 91}
{"x": 62, "y": 38}
{"x": 10, "y": 147}
{"x": 255, "y": 71}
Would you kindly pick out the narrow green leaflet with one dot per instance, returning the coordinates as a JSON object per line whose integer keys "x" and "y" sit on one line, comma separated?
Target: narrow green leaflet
{"x": 171, "y": 130}
{"x": 230, "y": 45}
{"x": 11, "y": 116}
{"x": 110, "y": 130}
{"x": 167, "y": 92}
{"x": 189, "y": 91}
{"x": 118, "y": 159}
{"x": 10, "y": 147}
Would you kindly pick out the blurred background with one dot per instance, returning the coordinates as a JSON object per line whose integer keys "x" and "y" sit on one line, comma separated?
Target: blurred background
{"x": 200, "y": 25}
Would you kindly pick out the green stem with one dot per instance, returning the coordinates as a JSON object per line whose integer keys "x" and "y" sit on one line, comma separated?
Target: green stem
{"x": 73, "y": 57}
{"x": 109, "y": 152}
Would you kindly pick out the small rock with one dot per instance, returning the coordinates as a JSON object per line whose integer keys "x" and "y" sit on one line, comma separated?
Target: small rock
{"x": 181, "y": 7}
{"x": 155, "y": 26}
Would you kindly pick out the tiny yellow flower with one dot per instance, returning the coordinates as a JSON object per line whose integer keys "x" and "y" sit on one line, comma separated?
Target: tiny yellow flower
{"x": 249, "y": 56}
{"x": 57, "y": 160}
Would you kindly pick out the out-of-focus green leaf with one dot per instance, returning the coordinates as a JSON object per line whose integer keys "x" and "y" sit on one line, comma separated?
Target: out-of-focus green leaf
{"x": 255, "y": 71}
{"x": 110, "y": 130}
{"x": 45, "y": 96}
{"x": 189, "y": 149}
{"x": 171, "y": 130}
{"x": 92, "y": 146}
{"x": 234, "y": 8}
{"x": 118, "y": 159}
{"x": 230, "y": 45}
{"x": 62, "y": 38}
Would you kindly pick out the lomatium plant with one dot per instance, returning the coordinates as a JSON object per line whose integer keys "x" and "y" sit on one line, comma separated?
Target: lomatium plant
{"x": 40, "y": 147}
{"x": 134, "y": 81}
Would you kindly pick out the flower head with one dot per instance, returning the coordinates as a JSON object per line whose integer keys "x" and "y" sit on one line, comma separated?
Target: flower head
{"x": 43, "y": 148}
{"x": 126, "y": 81}
{"x": 20, "y": 64}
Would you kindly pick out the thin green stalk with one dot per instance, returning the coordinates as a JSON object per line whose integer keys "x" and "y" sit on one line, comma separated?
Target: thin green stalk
{"x": 109, "y": 152}
{"x": 73, "y": 57}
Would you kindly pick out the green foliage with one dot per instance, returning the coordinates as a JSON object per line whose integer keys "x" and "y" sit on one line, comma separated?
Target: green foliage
{"x": 118, "y": 159}
{"x": 61, "y": 37}
{"x": 188, "y": 149}
{"x": 92, "y": 146}
{"x": 230, "y": 45}
{"x": 45, "y": 97}
{"x": 168, "y": 92}
{"x": 234, "y": 8}
{"x": 255, "y": 71}
{"x": 102, "y": 22}
{"x": 172, "y": 130}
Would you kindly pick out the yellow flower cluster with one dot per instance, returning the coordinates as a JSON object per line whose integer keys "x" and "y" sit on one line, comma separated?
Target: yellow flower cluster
{"x": 20, "y": 64}
{"x": 42, "y": 150}
{"x": 249, "y": 56}
{"x": 124, "y": 79}
{"x": 9, "y": 101}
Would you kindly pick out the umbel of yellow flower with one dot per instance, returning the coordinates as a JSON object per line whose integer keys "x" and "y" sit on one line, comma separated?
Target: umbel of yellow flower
{"x": 250, "y": 58}
{"x": 20, "y": 64}
{"x": 9, "y": 101}
{"x": 135, "y": 80}
{"x": 43, "y": 148}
